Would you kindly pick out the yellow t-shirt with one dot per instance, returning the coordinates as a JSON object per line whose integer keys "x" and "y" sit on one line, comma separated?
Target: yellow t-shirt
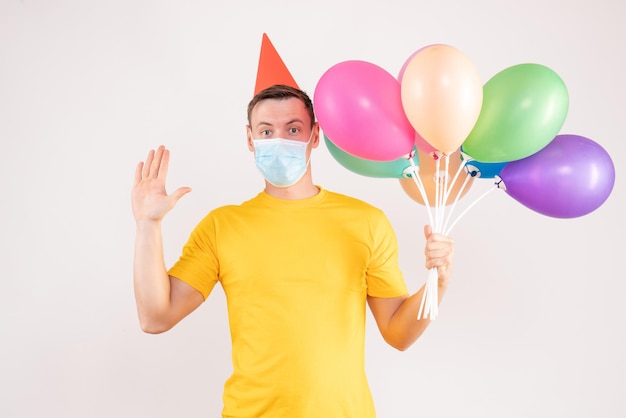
{"x": 296, "y": 274}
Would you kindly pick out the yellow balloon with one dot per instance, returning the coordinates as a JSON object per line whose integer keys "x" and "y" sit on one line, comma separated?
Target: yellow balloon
{"x": 442, "y": 95}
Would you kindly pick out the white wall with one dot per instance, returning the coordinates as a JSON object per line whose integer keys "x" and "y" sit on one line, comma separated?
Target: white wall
{"x": 534, "y": 324}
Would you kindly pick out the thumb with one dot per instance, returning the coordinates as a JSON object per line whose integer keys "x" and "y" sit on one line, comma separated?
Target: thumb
{"x": 180, "y": 192}
{"x": 428, "y": 231}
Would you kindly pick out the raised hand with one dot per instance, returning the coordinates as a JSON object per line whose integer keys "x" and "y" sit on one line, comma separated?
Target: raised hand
{"x": 149, "y": 199}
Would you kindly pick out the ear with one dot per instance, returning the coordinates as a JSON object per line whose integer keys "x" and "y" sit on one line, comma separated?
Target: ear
{"x": 315, "y": 140}
{"x": 249, "y": 138}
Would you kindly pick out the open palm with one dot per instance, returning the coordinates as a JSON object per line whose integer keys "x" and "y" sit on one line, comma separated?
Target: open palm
{"x": 150, "y": 200}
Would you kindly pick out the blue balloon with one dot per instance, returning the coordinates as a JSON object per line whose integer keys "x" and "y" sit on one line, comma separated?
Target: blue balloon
{"x": 483, "y": 170}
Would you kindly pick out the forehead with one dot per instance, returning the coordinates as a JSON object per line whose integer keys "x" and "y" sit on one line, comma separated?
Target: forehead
{"x": 279, "y": 111}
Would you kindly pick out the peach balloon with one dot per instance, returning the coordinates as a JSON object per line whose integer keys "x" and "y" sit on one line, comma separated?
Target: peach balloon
{"x": 427, "y": 169}
{"x": 442, "y": 95}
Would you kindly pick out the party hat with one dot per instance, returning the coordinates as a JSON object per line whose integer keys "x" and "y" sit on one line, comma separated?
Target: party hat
{"x": 272, "y": 69}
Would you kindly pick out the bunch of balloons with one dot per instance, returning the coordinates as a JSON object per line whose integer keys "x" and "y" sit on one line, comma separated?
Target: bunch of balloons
{"x": 436, "y": 119}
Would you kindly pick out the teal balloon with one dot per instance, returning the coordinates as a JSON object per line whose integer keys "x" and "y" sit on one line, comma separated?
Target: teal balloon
{"x": 398, "y": 168}
{"x": 524, "y": 108}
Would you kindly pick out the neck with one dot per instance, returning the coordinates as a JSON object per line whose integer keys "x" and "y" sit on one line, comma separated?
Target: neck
{"x": 301, "y": 190}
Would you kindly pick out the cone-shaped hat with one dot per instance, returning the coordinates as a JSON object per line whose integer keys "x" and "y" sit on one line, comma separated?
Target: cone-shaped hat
{"x": 272, "y": 69}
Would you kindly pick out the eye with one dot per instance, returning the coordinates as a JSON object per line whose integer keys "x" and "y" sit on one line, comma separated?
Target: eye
{"x": 293, "y": 130}
{"x": 266, "y": 132}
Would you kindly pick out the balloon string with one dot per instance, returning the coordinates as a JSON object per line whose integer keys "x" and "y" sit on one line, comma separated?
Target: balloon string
{"x": 430, "y": 292}
{"x": 420, "y": 186}
{"x": 447, "y": 231}
{"x": 468, "y": 177}
{"x": 435, "y": 294}
{"x": 444, "y": 192}
{"x": 437, "y": 225}
{"x": 459, "y": 192}
{"x": 456, "y": 176}
{"x": 427, "y": 291}
{"x": 444, "y": 195}
{"x": 433, "y": 281}
{"x": 423, "y": 301}
{"x": 429, "y": 305}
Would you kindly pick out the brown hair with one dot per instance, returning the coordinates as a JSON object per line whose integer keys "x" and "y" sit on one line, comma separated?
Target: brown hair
{"x": 281, "y": 92}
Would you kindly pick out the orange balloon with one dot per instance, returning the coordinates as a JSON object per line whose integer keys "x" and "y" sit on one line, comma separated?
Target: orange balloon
{"x": 427, "y": 170}
{"x": 442, "y": 95}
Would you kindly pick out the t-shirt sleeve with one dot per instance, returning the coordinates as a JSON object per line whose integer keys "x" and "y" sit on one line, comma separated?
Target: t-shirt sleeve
{"x": 198, "y": 265}
{"x": 383, "y": 275}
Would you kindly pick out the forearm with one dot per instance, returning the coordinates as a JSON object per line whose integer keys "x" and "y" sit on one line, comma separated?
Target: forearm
{"x": 404, "y": 327}
{"x": 151, "y": 281}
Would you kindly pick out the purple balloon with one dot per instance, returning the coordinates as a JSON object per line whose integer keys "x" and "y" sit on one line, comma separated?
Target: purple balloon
{"x": 570, "y": 177}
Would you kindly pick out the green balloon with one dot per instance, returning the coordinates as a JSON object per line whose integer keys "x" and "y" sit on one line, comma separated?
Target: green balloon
{"x": 398, "y": 168}
{"x": 524, "y": 107}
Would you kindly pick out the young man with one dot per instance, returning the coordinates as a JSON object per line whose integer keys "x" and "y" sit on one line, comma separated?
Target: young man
{"x": 297, "y": 264}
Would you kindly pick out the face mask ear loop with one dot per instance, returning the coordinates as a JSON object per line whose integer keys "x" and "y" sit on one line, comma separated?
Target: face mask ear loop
{"x": 308, "y": 160}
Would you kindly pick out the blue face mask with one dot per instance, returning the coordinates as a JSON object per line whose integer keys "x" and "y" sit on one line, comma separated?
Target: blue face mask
{"x": 282, "y": 162}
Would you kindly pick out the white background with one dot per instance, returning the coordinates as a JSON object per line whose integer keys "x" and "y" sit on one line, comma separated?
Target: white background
{"x": 534, "y": 324}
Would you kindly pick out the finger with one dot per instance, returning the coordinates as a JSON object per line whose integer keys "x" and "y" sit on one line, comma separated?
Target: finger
{"x": 165, "y": 162}
{"x": 138, "y": 171}
{"x": 440, "y": 237}
{"x": 146, "y": 167}
{"x": 438, "y": 255}
{"x": 439, "y": 249}
{"x": 439, "y": 252}
{"x": 154, "y": 169}
{"x": 180, "y": 192}
{"x": 440, "y": 263}
{"x": 437, "y": 241}
{"x": 428, "y": 231}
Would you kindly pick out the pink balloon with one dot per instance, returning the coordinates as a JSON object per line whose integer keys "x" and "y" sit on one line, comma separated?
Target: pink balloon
{"x": 423, "y": 145}
{"x": 358, "y": 105}
{"x": 406, "y": 63}
{"x": 420, "y": 142}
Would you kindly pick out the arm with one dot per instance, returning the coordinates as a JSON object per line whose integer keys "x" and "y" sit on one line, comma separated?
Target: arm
{"x": 397, "y": 317}
{"x": 162, "y": 300}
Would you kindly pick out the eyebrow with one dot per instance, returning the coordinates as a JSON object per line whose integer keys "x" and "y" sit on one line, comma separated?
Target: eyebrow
{"x": 295, "y": 120}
